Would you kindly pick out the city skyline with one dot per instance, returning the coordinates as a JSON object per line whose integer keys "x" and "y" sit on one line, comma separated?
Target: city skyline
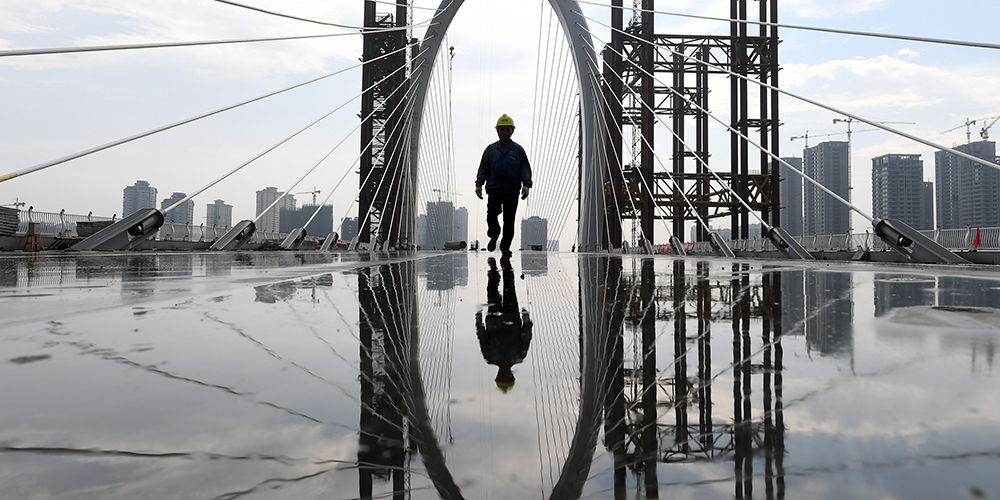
{"x": 936, "y": 87}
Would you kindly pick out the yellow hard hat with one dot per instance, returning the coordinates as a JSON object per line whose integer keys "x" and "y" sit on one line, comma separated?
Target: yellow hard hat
{"x": 505, "y": 121}
{"x": 505, "y": 387}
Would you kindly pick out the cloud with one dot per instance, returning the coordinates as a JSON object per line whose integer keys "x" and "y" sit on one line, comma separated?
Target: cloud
{"x": 101, "y": 22}
{"x": 886, "y": 82}
{"x": 27, "y": 16}
{"x": 936, "y": 96}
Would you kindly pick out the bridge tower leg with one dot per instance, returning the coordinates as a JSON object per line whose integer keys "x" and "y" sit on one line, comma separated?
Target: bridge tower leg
{"x": 382, "y": 196}
{"x": 647, "y": 52}
{"x": 615, "y": 195}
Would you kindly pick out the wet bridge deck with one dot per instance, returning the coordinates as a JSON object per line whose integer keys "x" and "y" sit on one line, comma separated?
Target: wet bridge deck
{"x": 312, "y": 375}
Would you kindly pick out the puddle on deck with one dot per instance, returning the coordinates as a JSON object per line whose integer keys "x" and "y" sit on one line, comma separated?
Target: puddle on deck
{"x": 280, "y": 375}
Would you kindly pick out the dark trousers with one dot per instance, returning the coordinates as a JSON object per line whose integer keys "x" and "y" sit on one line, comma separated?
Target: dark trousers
{"x": 507, "y": 205}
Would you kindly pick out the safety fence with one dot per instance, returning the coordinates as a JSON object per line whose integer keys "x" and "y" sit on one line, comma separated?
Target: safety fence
{"x": 172, "y": 231}
{"x": 53, "y": 224}
{"x": 69, "y": 225}
{"x": 960, "y": 240}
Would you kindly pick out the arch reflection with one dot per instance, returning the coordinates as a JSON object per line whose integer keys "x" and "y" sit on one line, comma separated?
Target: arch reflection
{"x": 648, "y": 391}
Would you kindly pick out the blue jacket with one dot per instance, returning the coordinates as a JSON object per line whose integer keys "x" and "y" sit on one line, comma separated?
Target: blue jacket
{"x": 504, "y": 172}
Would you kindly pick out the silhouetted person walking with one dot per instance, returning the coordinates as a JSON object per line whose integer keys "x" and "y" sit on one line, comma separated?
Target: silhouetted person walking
{"x": 506, "y": 172}
{"x": 506, "y": 334}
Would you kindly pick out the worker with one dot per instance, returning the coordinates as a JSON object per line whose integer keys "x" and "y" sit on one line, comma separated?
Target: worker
{"x": 506, "y": 334}
{"x": 505, "y": 171}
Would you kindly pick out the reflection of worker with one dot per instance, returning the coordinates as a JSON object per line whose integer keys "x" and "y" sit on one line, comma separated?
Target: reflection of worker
{"x": 506, "y": 172}
{"x": 505, "y": 336}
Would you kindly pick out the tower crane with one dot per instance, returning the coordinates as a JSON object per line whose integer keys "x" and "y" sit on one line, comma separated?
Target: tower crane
{"x": 439, "y": 191}
{"x": 807, "y": 136}
{"x": 985, "y": 132}
{"x": 968, "y": 129}
{"x": 314, "y": 192}
{"x": 849, "y": 121}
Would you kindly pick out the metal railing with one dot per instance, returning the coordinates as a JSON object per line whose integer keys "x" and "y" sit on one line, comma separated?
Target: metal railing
{"x": 959, "y": 240}
{"x": 53, "y": 224}
{"x": 172, "y": 231}
{"x": 64, "y": 224}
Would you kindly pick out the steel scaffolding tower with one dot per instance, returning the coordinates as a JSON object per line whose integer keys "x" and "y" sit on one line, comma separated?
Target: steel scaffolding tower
{"x": 684, "y": 58}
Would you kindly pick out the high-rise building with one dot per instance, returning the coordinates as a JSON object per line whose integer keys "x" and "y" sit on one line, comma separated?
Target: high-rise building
{"x": 183, "y": 214}
{"x": 791, "y": 197}
{"x": 321, "y": 225}
{"x": 271, "y": 221}
{"x": 821, "y": 213}
{"x": 423, "y": 233}
{"x": 898, "y": 189}
{"x": 349, "y": 228}
{"x": 138, "y": 196}
{"x": 534, "y": 232}
{"x": 219, "y": 214}
{"x": 440, "y": 219}
{"x": 967, "y": 193}
{"x": 927, "y": 205}
{"x": 460, "y": 227}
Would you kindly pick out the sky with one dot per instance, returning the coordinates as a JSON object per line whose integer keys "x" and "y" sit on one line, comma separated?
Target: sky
{"x": 55, "y": 105}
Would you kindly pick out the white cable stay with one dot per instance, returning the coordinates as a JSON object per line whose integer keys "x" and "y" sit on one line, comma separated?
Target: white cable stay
{"x": 81, "y": 154}
{"x": 275, "y": 146}
{"x": 409, "y": 104}
{"x": 363, "y": 149}
{"x": 818, "y": 104}
{"x": 557, "y": 141}
{"x": 320, "y": 162}
{"x": 698, "y": 157}
{"x": 313, "y": 21}
{"x": 909, "y": 38}
{"x": 156, "y": 45}
{"x": 758, "y": 146}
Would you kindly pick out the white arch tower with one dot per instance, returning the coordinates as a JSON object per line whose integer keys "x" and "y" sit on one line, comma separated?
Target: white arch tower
{"x": 592, "y": 226}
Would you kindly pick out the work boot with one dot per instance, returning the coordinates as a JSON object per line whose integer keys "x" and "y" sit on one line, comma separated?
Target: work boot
{"x": 492, "y": 245}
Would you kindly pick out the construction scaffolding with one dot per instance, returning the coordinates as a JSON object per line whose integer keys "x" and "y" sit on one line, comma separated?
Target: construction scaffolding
{"x": 637, "y": 63}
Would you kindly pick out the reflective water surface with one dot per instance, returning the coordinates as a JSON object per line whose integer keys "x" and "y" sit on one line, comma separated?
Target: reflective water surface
{"x": 280, "y": 375}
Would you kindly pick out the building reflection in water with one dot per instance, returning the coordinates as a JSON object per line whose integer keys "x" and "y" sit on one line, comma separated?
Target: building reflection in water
{"x": 445, "y": 273}
{"x": 285, "y": 290}
{"x": 830, "y": 301}
{"x": 793, "y": 302}
{"x": 893, "y": 291}
{"x": 535, "y": 263}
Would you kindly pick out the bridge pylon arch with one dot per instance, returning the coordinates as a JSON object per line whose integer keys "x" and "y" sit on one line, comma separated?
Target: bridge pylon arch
{"x": 593, "y": 222}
